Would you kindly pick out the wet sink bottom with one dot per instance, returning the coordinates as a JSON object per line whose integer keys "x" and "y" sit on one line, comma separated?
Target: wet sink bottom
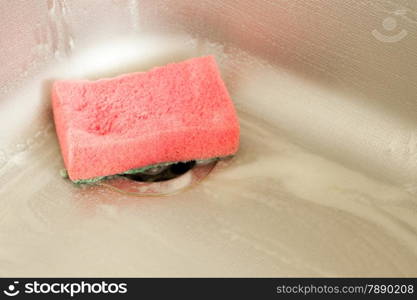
{"x": 286, "y": 205}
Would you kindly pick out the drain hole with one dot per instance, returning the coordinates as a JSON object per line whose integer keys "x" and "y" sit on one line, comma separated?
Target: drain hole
{"x": 162, "y": 173}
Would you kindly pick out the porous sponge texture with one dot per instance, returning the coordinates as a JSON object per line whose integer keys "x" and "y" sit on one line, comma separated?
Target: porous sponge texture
{"x": 178, "y": 112}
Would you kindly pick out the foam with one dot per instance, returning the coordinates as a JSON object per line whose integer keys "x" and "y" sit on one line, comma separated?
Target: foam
{"x": 178, "y": 112}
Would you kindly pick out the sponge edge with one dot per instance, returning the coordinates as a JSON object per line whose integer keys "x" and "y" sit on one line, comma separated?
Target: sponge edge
{"x": 178, "y": 112}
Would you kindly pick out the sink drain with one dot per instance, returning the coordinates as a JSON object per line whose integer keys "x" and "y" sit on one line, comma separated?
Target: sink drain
{"x": 162, "y": 173}
{"x": 161, "y": 180}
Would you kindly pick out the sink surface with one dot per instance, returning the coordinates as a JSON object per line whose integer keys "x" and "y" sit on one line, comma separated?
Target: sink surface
{"x": 324, "y": 183}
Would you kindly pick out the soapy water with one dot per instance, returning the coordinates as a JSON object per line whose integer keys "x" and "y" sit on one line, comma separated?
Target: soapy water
{"x": 281, "y": 207}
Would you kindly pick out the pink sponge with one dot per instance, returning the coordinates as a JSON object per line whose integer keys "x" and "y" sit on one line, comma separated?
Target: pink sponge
{"x": 178, "y": 112}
